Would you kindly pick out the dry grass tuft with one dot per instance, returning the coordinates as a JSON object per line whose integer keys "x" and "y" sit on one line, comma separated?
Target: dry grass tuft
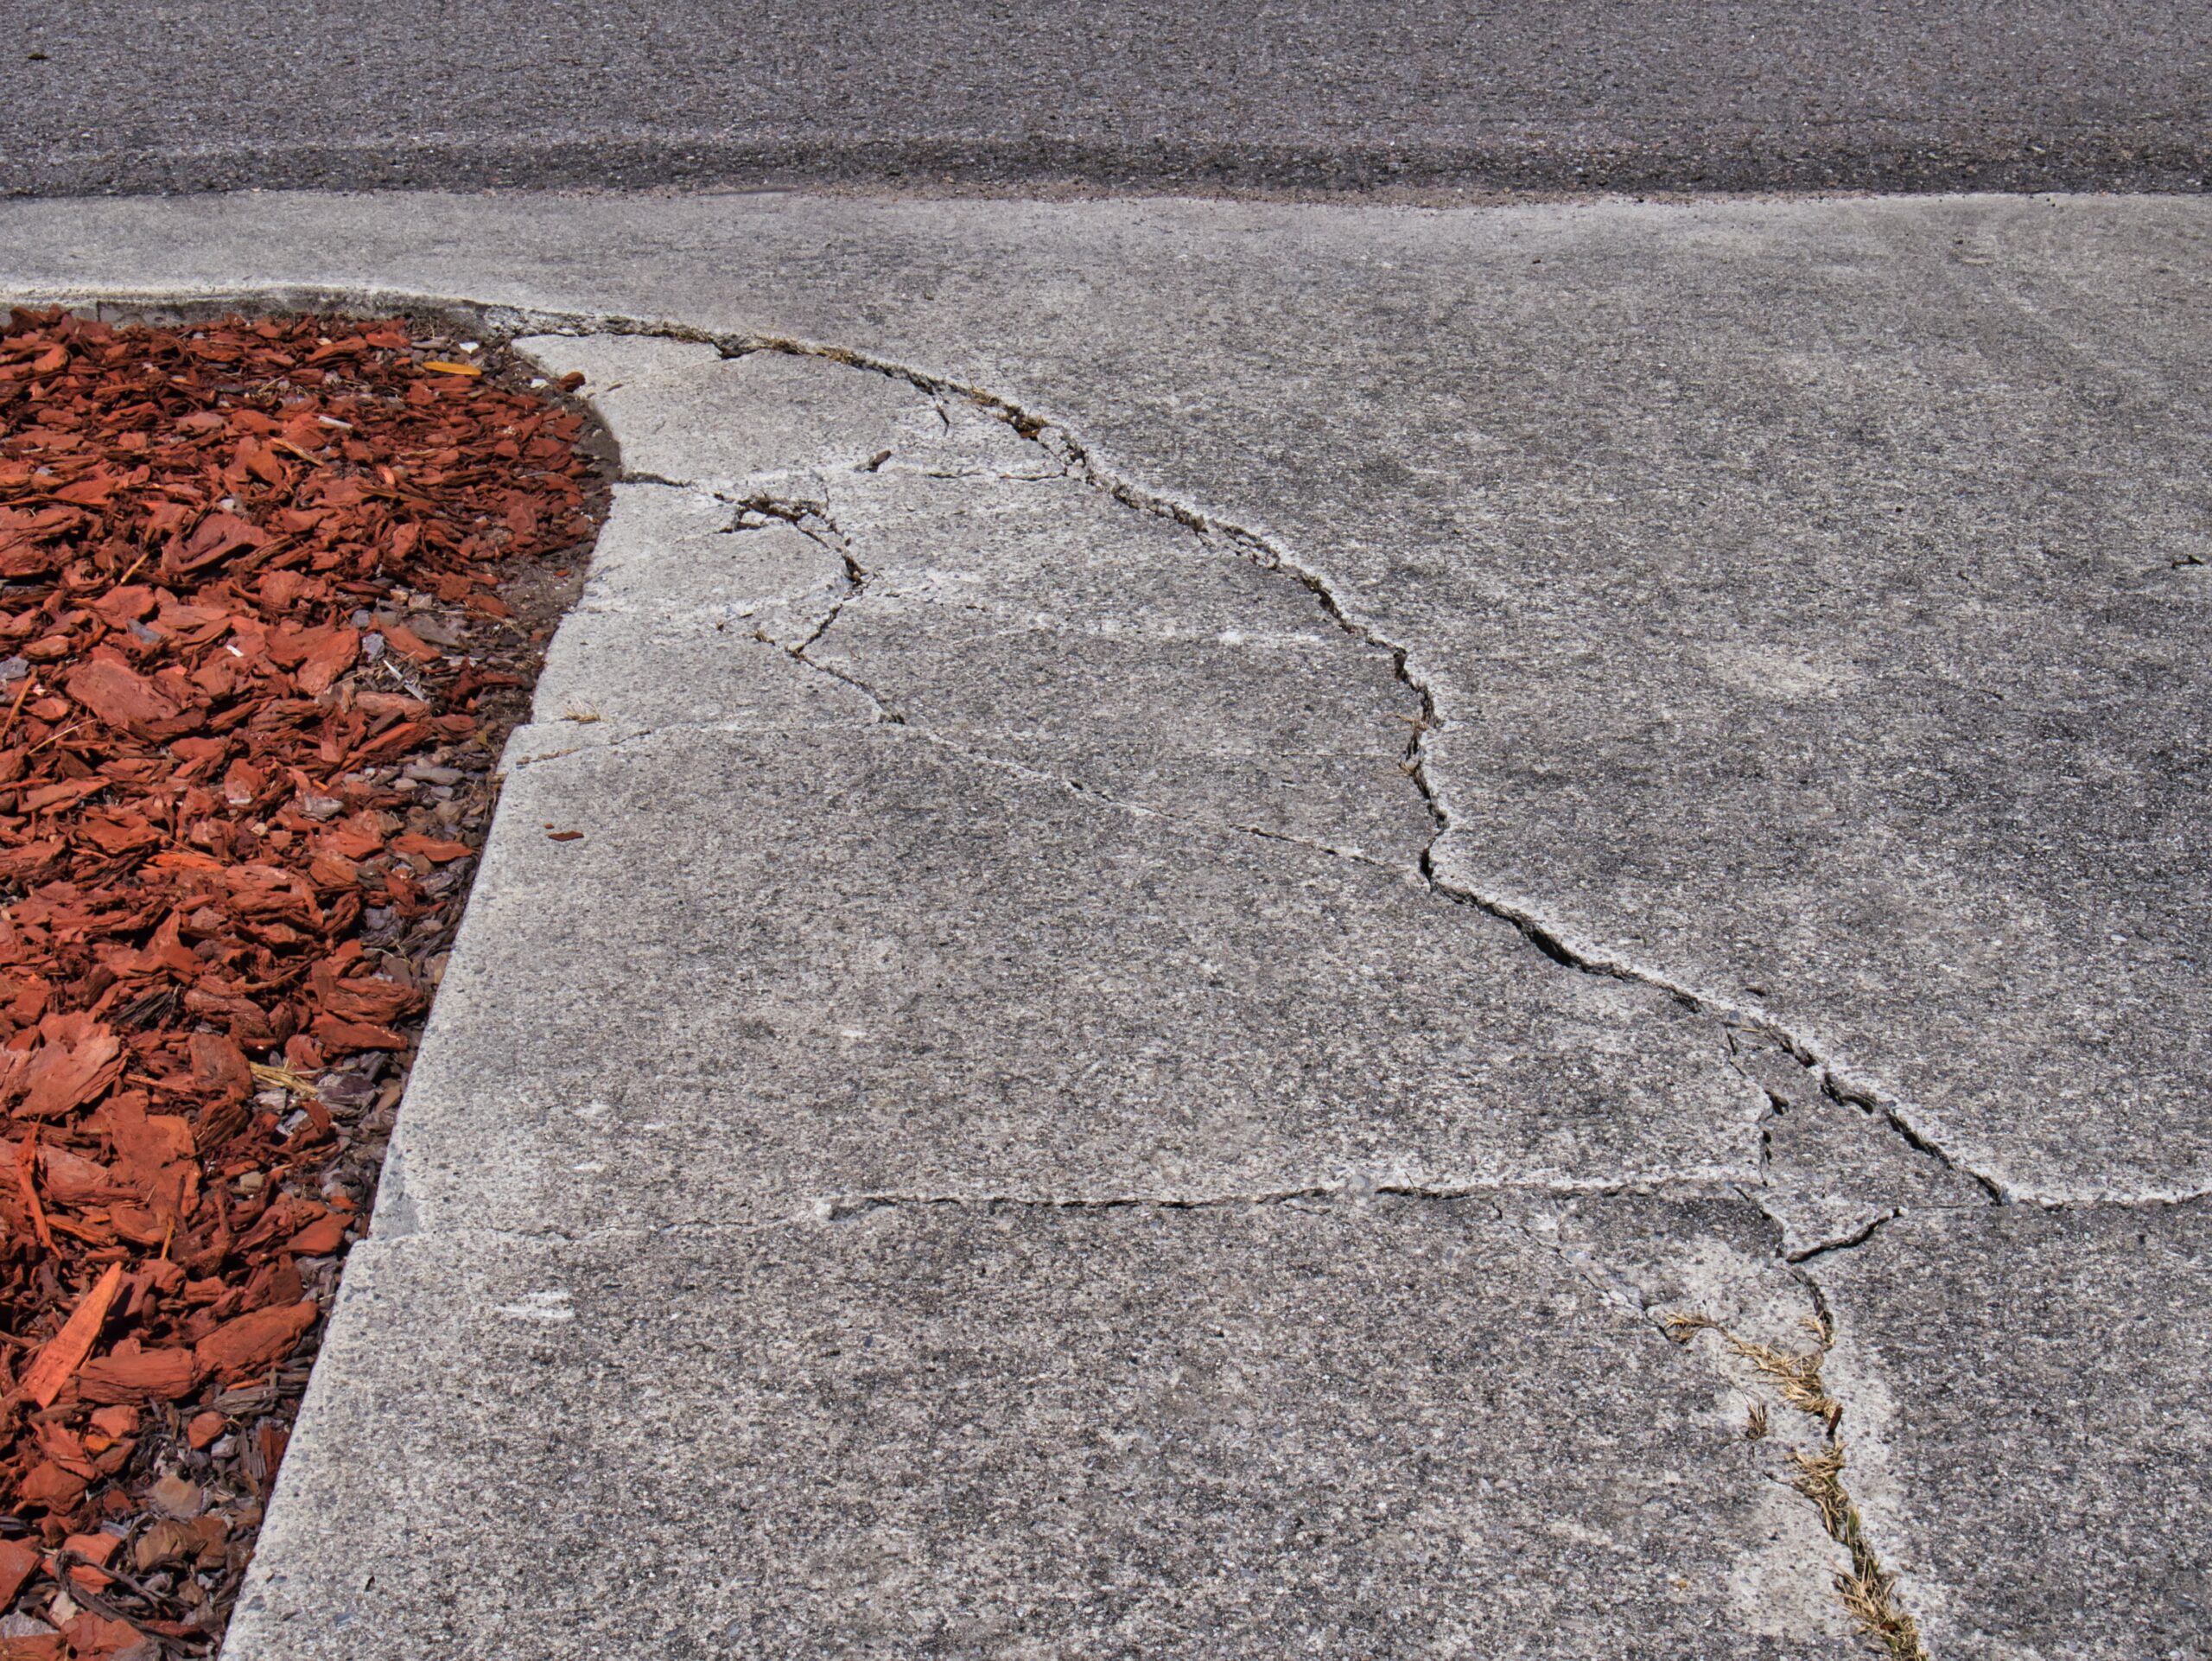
{"x": 1797, "y": 1378}
{"x": 1868, "y": 1590}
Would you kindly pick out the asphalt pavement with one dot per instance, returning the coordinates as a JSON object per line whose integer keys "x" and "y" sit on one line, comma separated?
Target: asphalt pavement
{"x": 1419, "y": 99}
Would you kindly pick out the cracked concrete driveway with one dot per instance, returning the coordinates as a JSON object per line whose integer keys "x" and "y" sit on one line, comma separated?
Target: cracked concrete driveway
{"x": 1302, "y": 931}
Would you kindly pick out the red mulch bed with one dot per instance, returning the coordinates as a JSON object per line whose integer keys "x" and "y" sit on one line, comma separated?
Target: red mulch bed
{"x": 253, "y": 663}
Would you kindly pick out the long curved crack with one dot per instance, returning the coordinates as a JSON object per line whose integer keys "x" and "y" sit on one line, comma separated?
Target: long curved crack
{"x": 1545, "y": 936}
{"x": 1866, "y": 1589}
{"x": 1868, "y": 1594}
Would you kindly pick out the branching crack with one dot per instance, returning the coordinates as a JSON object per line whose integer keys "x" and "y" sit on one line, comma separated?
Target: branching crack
{"x": 812, "y": 519}
{"x": 1078, "y": 462}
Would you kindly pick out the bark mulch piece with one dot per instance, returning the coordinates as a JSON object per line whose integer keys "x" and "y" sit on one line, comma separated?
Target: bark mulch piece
{"x": 254, "y": 666}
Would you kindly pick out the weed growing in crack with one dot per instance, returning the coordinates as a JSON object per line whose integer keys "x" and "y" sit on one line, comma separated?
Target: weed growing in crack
{"x": 1868, "y": 1590}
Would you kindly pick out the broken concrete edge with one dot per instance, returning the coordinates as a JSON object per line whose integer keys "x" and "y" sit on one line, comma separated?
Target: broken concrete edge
{"x": 1867, "y": 1589}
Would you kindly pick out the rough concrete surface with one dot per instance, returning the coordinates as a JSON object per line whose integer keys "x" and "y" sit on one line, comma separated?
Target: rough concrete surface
{"x": 1397, "y": 1430}
{"x": 1658, "y": 745}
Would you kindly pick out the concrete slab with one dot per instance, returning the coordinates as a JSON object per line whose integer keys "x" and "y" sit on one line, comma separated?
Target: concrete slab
{"x": 1801, "y": 611}
{"x": 2033, "y": 1382}
{"x": 780, "y": 968}
{"x": 1391, "y": 1429}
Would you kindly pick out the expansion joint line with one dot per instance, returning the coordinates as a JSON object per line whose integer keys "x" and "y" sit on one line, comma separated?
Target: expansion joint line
{"x": 1868, "y": 1590}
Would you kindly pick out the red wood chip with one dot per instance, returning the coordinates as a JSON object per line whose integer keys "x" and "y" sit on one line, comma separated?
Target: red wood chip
{"x": 430, "y": 849}
{"x": 111, "y": 691}
{"x": 318, "y": 1238}
{"x": 249, "y": 703}
{"x": 140, "y": 1375}
{"x": 258, "y": 1339}
{"x": 18, "y": 1562}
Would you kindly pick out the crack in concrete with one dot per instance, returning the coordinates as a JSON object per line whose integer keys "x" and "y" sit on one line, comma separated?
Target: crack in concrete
{"x": 1867, "y": 1589}
{"x": 1354, "y": 1190}
{"x": 1080, "y": 788}
{"x": 1778, "y": 1108}
{"x": 503, "y": 322}
{"x": 812, "y": 520}
{"x": 1077, "y": 460}
{"x": 815, "y": 519}
{"x": 1847, "y": 1242}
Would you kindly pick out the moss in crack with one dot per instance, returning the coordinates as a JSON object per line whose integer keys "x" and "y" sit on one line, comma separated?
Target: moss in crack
{"x": 1868, "y": 1590}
